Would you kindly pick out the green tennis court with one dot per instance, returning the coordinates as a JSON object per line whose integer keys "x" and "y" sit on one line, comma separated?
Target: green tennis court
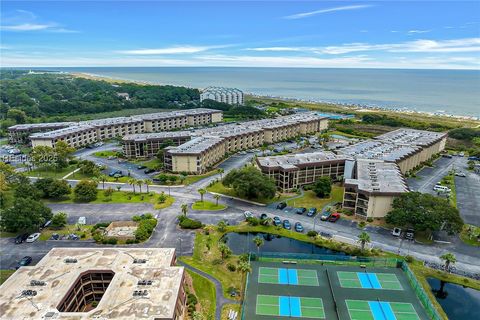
{"x": 300, "y": 277}
{"x": 287, "y": 306}
{"x": 369, "y": 280}
{"x": 380, "y": 310}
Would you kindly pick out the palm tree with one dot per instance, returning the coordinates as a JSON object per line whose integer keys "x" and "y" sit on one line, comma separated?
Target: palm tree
{"x": 184, "y": 208}
{"x": 222, "y": 226}
{"x": 449, "y": 258}
{"x": 216, "y": 197}
{"x": 103, "y": 178}
{"x": 221, "y": 171}
{"x": 258, "y": 242}
{"x": 182, "y": 177}
{"x": 363, "y": 239}
{"x": 225, "y": 251}
{"x": 244, "y": 267}
{"x": 139, "y": 183}
{"x": 147, "y": 183}
{"x": 132, "y": 182}
{"x": 202, "y": 192}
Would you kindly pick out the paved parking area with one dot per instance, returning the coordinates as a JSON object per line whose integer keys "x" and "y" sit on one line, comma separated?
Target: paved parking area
{"x": 468, "y": 197}
{"x": 429, "y": 176}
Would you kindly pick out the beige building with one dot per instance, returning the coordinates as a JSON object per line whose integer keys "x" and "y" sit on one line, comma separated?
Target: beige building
{"x": 221, "y": 94}
{"x": 371, "y": 190}
{"x": 197, "y": 156}
{"x": 295, "y": 170}
{"x": 20, "y": 132}
{"x": 147, "y": 145}
{"x": 97, "y": 283}
{"x": 80, "y": 134}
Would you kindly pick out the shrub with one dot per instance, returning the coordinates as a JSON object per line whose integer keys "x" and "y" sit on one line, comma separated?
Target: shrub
{"x": 85, "y": 191}
{"x": 110, "y": 241}
{"x": 231, "y": 267}
{"x": 145, "y": 228}
{"x": 409, "y": 259}
{"x": 59, "y": 220}
{"x": 312, "y": 233}
{"x": 187, "y": 223}
{"x": 369, "y": 219}
{"x": 253, "y": 221}
{"x": 100, "y": 225}
{"x": 217, "y": 261}
{"x": 362, "y": 224}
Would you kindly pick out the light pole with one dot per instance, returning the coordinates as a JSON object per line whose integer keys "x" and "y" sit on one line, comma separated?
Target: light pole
{"x": 180, "y": 250}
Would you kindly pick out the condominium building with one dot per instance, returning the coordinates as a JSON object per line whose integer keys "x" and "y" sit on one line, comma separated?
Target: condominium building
{"x": 147, "y": 145}
{"x": 370, "y": 192}
{"x": 220, "y": 94}
{"x": 97, "y": 283}
{"x": 198, "y": 155}
{"x": 19, "y": 133}
{"x": 78, "y": 134}
{"x": 295, "y": 170}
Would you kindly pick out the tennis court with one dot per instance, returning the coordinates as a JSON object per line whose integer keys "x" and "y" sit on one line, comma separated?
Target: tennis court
{"x": 283, "y": 306}
{"x": 300, "y": 277}
{"x": 369, "y": 280}
{"x": 380, "y": 310}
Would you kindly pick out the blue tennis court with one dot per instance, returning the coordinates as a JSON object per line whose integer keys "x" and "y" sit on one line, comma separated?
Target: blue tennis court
{"x": 286, "y": 306}
{"x": 380, "y": 310}
{"x": 369, "y": 280}
{"x": 298, "y": 277}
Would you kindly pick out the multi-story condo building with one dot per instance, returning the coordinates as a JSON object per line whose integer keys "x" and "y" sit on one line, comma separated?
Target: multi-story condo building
{"x": 97, "y": 283}
{"x": 198, "y": 155}
{"x": 19, "y": 133}
{"x": 220, "y": 94}
{"x": 295, "y": 170}
{"x": 370, "y": 192}
{"x": 147, "y": 145}
{"x": 78, "y": 134}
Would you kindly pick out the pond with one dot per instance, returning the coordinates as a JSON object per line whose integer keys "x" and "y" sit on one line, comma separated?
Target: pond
{"x": 243, "y": 243}
{"x": 458, "y": 302}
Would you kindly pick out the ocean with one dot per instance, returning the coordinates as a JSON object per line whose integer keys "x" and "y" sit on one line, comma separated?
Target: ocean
{"x": 455, "y": 92}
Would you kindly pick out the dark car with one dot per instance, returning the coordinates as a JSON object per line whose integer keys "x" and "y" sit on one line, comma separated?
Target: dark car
{"x": 21, "y": 238}
{"x": 301, "y": 210}
{"x": 55, "y": 236}
{"x": 287, "y": 225}
{"x": 140, "y": 167}
{"x": 149, "y": 170}
{"x": 24, "y": 262}
{"x": 472, "y": 158}
{"x": 115, "y": 173}
{"x": 263, "y": 216}
{"x": 409, "y": 234}
{"x": 447, "y": 156}
{"x": 311, "y": 212}
{"x": 334, "y": 217}
{"x": 298, "y": 227}
{"x": 281, "y": 205}
{"x": 277, "y": 221}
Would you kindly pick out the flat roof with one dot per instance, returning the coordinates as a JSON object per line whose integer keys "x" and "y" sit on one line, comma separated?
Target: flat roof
{"x": 47, "y": 125}
{"x": 112, "y": 121}
{"x": 61, "y": 132}
{"x": 412, "y": 137}
{"x": 157, "y": 135}
{"x": 378, "y": 177}
{"x": 294, "y": 161}
{"x": 177, "y": 113}
{"x": 378, "y": 149}
{"x": 118, "y": 301}
{"x": 229, "y": 130}
{"x": 221, "y": 90}
{"x": 195, "y": 146}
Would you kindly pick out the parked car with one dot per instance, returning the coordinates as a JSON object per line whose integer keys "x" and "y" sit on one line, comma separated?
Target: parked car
{"x": 149, "y": 170}
{"x": 263, "y": 216}
{"x": 21, "y": 238}
{"x": 460, "y": 174}
{"x": 334, "y": 217}
{"x": 281, "y": 205}
{"x": 409, "y": 234}
{"x": 441, "y": 188}
{"x": 298, "y": 227}
{"x": 461, "y": 154}
{"x": 472, "y": 158}
{"x": 82, "y": 221}
{"x": 140, "y": 167}
{"x": 311, "y": 212}
{"x": 248, "y": 214}
{"x": 301, "y": 210}
{"x": 286, "y": 224}
{"x": 115, "y": 173}
{"x": 447, "y": 155}
{"x": 325, "y": 215}
{"x": 111, "y": 157}
{"x": 396, "y": 232}
{"x": 55, "y": 236}
{"x": 24, "y": 262}
{"x": 121, "y": 160}
{"x": 277, "y": 221}
{"x": 33, "y": 237}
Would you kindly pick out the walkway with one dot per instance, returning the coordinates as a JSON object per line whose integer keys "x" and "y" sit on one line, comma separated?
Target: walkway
{"x": 220, "y": 299}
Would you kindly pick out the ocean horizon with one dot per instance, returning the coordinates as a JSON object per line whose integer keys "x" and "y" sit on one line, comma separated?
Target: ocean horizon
{"x": 451, "y": 92}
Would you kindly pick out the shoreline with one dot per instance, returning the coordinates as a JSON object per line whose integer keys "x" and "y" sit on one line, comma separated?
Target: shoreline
{"x": 347, "y": 106}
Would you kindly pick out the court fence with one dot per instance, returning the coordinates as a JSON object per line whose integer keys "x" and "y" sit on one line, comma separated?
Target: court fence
{"x": 325, "y": 259}
{"x": 421, "y": 294}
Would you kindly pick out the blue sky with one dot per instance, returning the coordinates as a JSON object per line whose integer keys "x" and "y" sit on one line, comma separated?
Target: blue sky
{"x": 380, "y": 34}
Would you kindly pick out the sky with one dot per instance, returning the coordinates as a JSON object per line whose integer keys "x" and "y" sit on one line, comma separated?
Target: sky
{"x": 346, "y": 34}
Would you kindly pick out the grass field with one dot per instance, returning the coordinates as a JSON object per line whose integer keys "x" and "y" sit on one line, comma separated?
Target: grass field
{"x": 310, "y": 200}
{"x": 470, "y": 237}
{"x": 220, "y": 188}
{"x": 68, "y": 229}
{"x": 49, "y": 172}
{"x": 227, "y": 307}
{"x": 105, "y": 154}
{"x": 5, "y": 274}
{"x": 205, "y": 292}
{"x": 207, "y": 205}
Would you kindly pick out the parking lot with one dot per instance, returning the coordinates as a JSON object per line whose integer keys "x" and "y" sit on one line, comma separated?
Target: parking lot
{"x": 468, "y": 197}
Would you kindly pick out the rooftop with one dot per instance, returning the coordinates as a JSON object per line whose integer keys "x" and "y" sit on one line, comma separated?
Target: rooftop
{"x": 47, "y": 125}
{"x": 221, "y": 90}
{"x": 228, "y": 130}
{"x": 412, "y": 137}
{"x": 56, "y": 274}
{"x": 293, "y": 161}
{"x": 158, "y": 135}
{"x": 381, "y": 150}
{"x": 195, "y": 146}
{"x": 376, "y": 176}
{"x": 61, "y": 132}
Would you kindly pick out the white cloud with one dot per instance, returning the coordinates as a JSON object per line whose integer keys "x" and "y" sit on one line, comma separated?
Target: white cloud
{"x": 277, "y": 49}
{"x": 170, "y": 50}
{"x": 411, "y": 32}
{"x": 26, "y": 27}
{"x": 328, "y": 10}
{"x": 26, "y": 21}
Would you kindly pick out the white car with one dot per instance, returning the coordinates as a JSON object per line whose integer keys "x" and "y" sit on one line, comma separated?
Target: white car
{"x": 396, "y": 232}
{"x": 33, "y": 237}
{"x": 82, "y": 221}
{"x": 441, "y": 188}
{"x": 460, "y": 174}
{"x": 248, "y": 214}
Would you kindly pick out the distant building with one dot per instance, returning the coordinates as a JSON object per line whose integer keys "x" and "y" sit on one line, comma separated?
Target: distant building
{"x": 97, "y": 283}
{"x": 123, "y": 95}
{"x": 220, "y": 94}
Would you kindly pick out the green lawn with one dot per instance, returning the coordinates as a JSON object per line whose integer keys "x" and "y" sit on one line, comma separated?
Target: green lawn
{"x": 49, "y": 172}
{"x": 310, "y": 200}
{"x": 84, "y": 232}
{"x": 168, "y": 202}
{"x": 4, "y": 234}
{"x": 470, "y": 237}
{"x": 220, "y": 188}
{"x": 205, "y": 292}
{"x": 5, "y": 274}
{"x": 207, "y": 205}
{"x": 189, "y": 179}
{"x": 230, "y": 306}
{"x": 105, "y": 154}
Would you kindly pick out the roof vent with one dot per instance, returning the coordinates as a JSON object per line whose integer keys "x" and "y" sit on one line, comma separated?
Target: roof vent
{"x": 29, "y": 293}
{"x": 145, "y": 282}
{"x": 140, "y": 293}
{"x": 70, "y": 260}
{"x": 37, "y": 283}
{"x": 139, "y": 261}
